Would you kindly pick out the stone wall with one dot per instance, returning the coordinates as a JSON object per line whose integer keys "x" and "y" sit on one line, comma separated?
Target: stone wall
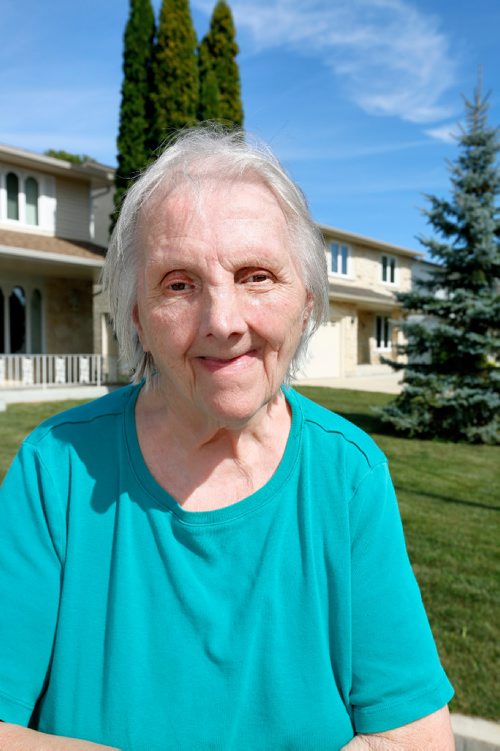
{"x": 68, "y": 316}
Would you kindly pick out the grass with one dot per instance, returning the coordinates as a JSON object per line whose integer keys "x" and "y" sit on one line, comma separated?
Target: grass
{"x": 449, "y": 499}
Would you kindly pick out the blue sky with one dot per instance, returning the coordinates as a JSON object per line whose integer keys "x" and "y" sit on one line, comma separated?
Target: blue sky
{"x": 358, "y": 98}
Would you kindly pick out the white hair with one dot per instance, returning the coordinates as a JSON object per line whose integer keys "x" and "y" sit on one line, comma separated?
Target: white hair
{"x": 209, "y": 150}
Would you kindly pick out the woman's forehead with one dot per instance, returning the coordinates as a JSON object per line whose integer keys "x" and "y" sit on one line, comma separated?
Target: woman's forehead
{"x": 211, "y": 202}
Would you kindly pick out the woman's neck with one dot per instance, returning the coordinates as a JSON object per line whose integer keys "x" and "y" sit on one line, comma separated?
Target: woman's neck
{"x": 197, "y": 460}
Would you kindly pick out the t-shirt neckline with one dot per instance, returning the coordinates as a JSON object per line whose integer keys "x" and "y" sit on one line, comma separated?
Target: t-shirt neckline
{"x": 227, "y": 513}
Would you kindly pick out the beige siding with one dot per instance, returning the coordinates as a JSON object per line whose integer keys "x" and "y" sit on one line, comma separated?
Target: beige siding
{"x": 365, "y": 266}
{"x": 73, "y": 209}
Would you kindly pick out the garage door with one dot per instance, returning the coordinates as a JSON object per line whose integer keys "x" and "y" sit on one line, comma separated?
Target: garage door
{"x": 324, "y": 353}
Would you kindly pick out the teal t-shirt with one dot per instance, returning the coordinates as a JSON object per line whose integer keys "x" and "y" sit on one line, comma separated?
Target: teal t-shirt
{"x": 289, "y": 620}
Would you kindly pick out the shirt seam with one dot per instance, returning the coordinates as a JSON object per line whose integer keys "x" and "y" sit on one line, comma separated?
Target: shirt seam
{"x": 34, "y": 440}
{"x": 370, "y": 471}
{"x": 62, "y": 521}
{"x": 398, "y": 702}
{"x": 19, "y": 702}
{"x": 372, "y": 464}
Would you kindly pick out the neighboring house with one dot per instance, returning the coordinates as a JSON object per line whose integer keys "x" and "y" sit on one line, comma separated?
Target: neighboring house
{"x": 364, "y": 275}
{"x": 49, "y": 264}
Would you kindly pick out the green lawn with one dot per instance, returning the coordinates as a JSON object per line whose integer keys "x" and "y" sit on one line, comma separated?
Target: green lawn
{"x": 449, "y": 500}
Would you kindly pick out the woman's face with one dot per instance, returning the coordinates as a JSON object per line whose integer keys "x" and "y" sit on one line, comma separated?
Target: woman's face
{"x": 220, "y": 302}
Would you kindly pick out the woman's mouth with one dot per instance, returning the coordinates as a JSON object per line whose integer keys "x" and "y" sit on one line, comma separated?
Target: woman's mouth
{"x": 214, "y": 364}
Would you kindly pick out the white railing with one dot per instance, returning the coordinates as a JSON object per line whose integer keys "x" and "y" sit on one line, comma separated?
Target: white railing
{"x": 32, "y": 371}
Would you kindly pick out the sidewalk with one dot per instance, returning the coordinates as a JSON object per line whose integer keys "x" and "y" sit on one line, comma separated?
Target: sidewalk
{"x": 386, "y": 383}
{"x": 474, "y": 734}
{"x": 51, "y": 394}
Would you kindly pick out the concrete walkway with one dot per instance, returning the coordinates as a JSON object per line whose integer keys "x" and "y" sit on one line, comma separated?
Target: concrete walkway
{"x": 50, "y": 394}
{"x": 386, "y": 383}
{"x": 474, "y": 734}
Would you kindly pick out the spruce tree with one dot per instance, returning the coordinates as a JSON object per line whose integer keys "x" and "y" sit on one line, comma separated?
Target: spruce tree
{"x": 175, "y": 87}
{"x": 451, "y": 386}
{"x": 218, "y": 52}
{"x": 133, "y": 153}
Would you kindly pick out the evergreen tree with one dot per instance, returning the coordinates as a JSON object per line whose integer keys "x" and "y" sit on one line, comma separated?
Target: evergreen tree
{"x": 175, "y": 87}
{"x": 209, "y": 104}
{"x": 133, "y": 153}
{"x": 218, "y": 52}
{"x": 451, "y": 386}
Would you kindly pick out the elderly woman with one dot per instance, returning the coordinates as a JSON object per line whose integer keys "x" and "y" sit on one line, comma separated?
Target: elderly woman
{"x": 205, "y": 559}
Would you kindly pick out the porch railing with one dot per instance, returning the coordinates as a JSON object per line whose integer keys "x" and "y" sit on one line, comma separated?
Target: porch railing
{"x": 31, "y": 371}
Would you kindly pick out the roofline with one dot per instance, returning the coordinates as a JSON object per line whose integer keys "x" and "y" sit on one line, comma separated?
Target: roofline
{"x": 369, "y": 241}
{"x": 99, "y": 174}
{"x": 350, "y": 297}
{"x": 41, "y": 255}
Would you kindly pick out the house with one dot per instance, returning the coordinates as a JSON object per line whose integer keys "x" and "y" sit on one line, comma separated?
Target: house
{"x": 49, "y": 265}
{"x": 364, "y": 274}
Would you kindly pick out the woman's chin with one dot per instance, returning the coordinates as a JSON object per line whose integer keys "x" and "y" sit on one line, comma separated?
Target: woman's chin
{"x": 236, "y": 407}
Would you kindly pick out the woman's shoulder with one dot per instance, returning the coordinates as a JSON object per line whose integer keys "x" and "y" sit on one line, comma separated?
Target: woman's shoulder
{"x": 329, "y": 429}
{"x": 84, "y": 418}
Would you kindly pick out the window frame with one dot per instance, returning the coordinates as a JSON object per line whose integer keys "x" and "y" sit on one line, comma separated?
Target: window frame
{"x": 389, "y": 269}
{"x": 36, "y": 207}
{"x": 29, "y": 285}
{"x": 23, "y": 177}
{"x": 383, "y": 333}
{"x": 341, "y": 259}
{"x": 9, "y": 198}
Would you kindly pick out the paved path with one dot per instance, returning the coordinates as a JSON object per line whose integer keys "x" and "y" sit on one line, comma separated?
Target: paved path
{"x": 383, "y": 383}
{"x": 51, "y": 394}
{"x": 474, "y": 734}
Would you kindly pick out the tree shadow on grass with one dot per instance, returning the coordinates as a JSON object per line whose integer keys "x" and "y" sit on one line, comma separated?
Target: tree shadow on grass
{"x": 445, "y": 498}
{"x": 371, "y": 424}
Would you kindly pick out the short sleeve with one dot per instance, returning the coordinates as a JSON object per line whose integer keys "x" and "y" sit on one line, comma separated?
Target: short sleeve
{"x": 397, "y": 677}
{"x": 30, "y": 580}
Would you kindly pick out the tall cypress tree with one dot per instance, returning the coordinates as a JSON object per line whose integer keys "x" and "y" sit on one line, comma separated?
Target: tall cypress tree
{"x": 451, "y": 386}
{"x": 209, "y": 104}
{"x": 217, "y": 56}
{"x": 175, "y": 87}
{"x": 134, "y": 114}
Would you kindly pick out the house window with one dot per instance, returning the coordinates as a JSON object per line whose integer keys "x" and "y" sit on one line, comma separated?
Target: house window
{"x": 383, "y": 332}
{"x": 389, "y": 269}
{"x": 12, "y": 196}
{"x": 31, "y": 188}
{"x": 340, "y": 259}
{"x": 21, "y": 321}
{"x": 17, "y": 320}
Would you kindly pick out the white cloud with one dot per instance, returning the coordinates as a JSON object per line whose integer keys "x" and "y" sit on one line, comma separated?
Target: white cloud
{"x": 445, "y": 133}
{"x": 391, "y": 58}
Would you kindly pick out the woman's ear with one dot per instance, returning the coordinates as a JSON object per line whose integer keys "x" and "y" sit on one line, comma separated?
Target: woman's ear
{"x": 138, "y": 327}
{"x": 307, "y": 310}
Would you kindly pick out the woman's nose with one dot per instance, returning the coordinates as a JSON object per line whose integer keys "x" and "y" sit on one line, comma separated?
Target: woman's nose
{"x": 221, "y": 314}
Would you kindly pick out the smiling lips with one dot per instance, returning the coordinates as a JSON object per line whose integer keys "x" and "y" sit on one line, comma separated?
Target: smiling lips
{"x": 218, "y": 363}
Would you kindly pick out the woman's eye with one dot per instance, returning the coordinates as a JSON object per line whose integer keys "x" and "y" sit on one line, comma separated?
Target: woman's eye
{"x": 257, "y": 277}
{"x": 178, "y": 285}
